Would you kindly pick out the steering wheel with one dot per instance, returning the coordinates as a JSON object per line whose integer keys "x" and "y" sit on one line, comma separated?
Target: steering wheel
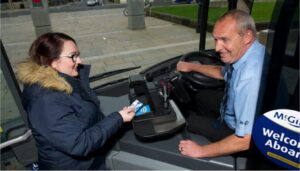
{"x": 197, "y": 79}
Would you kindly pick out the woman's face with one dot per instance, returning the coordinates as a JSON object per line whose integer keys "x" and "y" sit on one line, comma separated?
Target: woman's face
{"x": 68, "y": 60}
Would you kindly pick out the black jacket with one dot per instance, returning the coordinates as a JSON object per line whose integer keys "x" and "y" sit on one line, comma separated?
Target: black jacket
{"x": 65, "y": 118}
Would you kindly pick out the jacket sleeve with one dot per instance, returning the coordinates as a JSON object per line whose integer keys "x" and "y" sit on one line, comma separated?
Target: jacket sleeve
{"x": 54, "y": 119}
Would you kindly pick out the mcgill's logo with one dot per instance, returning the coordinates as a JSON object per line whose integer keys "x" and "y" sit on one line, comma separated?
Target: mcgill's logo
{"x": 291, "y": 120}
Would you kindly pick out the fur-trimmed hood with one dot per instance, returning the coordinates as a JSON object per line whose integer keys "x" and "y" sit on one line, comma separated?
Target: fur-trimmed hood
{"x": 65, "y": 126}
{"x": 30, "y": 73}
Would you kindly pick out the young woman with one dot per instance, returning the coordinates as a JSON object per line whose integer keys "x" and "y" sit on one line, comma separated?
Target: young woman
{"x": 63, "y": 111}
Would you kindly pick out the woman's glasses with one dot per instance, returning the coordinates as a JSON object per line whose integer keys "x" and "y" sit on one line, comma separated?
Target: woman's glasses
{"x": 73, "y": 56}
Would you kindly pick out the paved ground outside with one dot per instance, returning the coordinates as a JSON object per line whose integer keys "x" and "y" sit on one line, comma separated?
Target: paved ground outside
{"x": 104, "y": 40}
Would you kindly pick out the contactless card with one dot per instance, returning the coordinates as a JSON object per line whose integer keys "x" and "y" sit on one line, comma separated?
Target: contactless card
{"x": 140, "y": 108}
{"x": 137, "y": 105}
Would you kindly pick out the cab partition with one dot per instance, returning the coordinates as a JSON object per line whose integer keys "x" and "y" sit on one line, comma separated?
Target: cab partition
{"x": 158, "y": 116}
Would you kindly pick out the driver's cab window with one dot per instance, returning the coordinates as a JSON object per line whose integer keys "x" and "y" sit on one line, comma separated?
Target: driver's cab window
{"x": 290, "y": 69}
{"x": 10, "y": 115}
{"x": 12, "y": 125}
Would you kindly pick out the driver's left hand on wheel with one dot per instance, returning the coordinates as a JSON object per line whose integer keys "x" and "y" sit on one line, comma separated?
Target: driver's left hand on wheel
{"x": 185, "y": 66}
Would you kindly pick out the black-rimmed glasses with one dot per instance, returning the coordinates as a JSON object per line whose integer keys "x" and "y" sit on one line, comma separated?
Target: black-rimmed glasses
{"x": 73, "y": 56}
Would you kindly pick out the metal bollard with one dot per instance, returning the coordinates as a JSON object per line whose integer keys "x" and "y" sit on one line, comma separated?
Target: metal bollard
{"x": 40, "y": 16}
{"x": 136, "y": 14}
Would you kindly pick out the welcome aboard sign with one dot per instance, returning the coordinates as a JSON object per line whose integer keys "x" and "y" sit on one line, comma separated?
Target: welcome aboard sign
{"x": 277, "y": 136}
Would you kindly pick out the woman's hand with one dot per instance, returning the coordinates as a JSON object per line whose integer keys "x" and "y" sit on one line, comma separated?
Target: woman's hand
{"x": 127, "y": 113}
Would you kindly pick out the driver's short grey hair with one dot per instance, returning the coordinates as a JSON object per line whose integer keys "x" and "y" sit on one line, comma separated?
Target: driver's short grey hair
{"x": 243, "y": 19}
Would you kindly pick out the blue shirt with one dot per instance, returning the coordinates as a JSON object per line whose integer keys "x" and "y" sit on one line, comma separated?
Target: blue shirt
{"x": 244, "y": 89}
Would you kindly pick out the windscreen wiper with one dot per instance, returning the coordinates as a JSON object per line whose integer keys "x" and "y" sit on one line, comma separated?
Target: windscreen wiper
{"x": 111, "y": 73}
{"x": 110, "y": 83}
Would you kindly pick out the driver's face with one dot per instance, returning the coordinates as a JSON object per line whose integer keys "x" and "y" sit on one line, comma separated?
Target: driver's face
{"x": 228, "y": 42}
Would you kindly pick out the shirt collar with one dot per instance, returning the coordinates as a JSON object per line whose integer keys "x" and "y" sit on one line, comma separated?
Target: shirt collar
{"x": 245, "y": 57}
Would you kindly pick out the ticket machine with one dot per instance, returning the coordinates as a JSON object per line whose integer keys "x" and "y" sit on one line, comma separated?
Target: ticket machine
{"x": 160, "y": 115}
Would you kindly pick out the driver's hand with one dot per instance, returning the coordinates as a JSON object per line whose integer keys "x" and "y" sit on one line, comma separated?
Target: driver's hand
{"x": 184, "y": 66}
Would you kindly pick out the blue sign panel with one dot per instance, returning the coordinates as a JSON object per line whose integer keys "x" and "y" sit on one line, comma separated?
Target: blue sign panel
{"x": 277, "y": 135}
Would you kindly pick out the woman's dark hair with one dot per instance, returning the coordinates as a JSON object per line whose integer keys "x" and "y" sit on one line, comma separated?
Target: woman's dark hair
{"x": 48, "y": 47}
